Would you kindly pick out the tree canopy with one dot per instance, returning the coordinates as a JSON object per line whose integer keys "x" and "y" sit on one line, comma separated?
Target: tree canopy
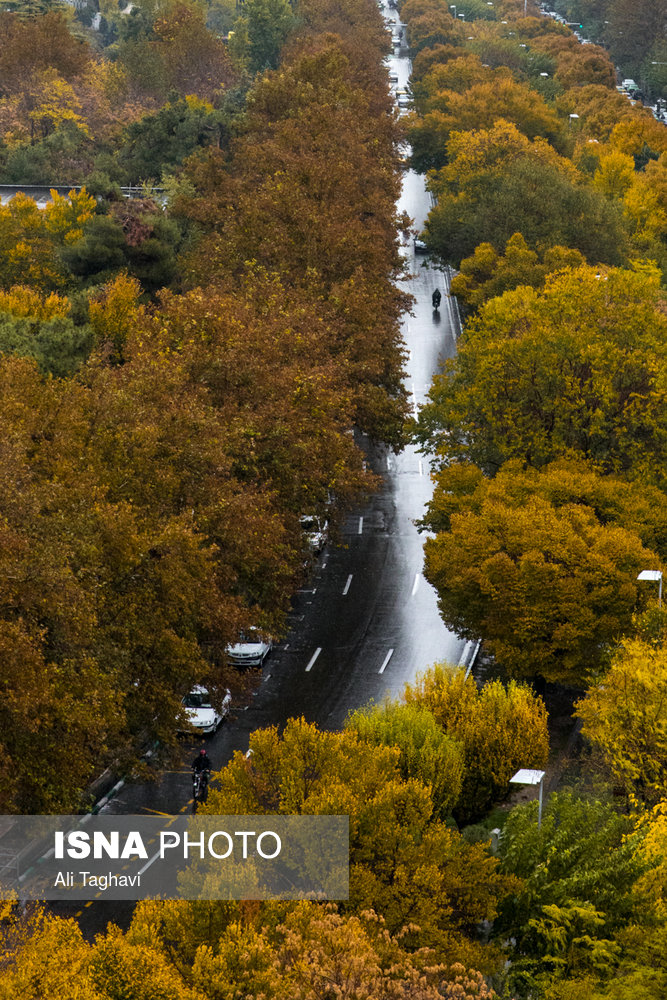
{"x": 625, "y": 717}
{"x": 497, "y": 183}
{"x": 500, "y": 729}
{"x": 542, "y": 564}
{"x": 574, "y": 369}
{"x": 404, "y": 863}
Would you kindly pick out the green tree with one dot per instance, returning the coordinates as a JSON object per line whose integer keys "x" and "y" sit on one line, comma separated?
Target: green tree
{"x": 498, "y": 183}
{"x": 99, "y": 253}
{"x": 164, "y": 139}
{"x": 134, "y": 235}
{"x": 58, "y": 345}
{"x": 579, "y": 871}
{"x": 269, "y": 25}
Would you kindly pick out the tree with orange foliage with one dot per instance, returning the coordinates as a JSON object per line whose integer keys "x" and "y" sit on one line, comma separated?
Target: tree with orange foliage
{"x": 310, "y": 195}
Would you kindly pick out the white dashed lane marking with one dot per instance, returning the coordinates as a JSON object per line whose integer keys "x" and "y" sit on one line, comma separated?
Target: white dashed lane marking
{"x": 313, "y": 658}
{"x": 386, "y": 661}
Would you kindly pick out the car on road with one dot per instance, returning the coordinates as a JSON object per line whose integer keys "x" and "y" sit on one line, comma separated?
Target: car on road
{"x": 316, "y": 531}
{"x": 201, "y": 716}
{"x": 393, "y": 76}
{"x": 420, "y": 245}
{"x": 251, "y": 649}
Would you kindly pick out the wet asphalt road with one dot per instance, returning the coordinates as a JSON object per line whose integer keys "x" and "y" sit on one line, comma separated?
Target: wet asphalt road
{"x": 368, "y": 620}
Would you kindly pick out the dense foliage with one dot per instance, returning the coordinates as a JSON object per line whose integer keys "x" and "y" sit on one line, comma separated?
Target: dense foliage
{"x": 160, "y": 444}
{"x": 179, "y": 377}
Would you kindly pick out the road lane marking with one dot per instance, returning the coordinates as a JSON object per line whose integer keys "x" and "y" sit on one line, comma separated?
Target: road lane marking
{"x": 361, "y": 525}
{"x": 149, "y": 863}
{"x": 157, "y": 811}
{"x": 421, "y": 468}
{"x": 415, "y": 584}
{"x": 347, "y": 585}
{"x": 313, "y": 658}
{"x": 386, "y": 661}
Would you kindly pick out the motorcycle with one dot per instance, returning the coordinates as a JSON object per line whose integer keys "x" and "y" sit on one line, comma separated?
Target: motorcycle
{"x": 199, "y": 788}
{"x": 435, "y": 298}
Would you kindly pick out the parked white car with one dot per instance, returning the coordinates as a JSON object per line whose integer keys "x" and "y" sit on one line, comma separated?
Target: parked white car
{"x": 251, "y": 649}
{"x": 316, "y": 530}
{"x": 201, "y": 715}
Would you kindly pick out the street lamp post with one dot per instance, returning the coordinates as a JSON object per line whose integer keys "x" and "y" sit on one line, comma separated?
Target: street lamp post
{"x": 529, "y": 776}
{"x": 655, "y": 575}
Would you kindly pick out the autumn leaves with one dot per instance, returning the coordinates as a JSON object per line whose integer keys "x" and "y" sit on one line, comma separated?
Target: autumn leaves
{"x": 555, "y": 398}
{"x": 151, "y": 500}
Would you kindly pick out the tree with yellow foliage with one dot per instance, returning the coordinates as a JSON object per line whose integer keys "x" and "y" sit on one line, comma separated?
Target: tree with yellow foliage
{"x": 30, "y": 239}
{"x": 500, "y": 728}
{"x": 575, "y": 368}
{"x": 487, "y": 273}
{"x": 412, "y": 871}
{"x": 57, "y": 104}
{"x": 615, "y": 173}
{"x": 541, "y": 563}
{"x": 625, "y": 717}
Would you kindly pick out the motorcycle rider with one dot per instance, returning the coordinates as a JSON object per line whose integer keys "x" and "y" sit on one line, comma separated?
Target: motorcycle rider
{"x": 202, "y": 763}
{"x": 435, "y": 298}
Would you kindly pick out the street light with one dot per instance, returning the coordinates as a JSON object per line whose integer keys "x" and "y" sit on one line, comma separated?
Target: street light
{"x": 528, "y": 776}
{"x": 452, "y": 6}
{"x": 655, "y": 575}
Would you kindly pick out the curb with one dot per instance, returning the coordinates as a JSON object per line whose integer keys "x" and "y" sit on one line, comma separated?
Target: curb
{"x": 467, "y": 659}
